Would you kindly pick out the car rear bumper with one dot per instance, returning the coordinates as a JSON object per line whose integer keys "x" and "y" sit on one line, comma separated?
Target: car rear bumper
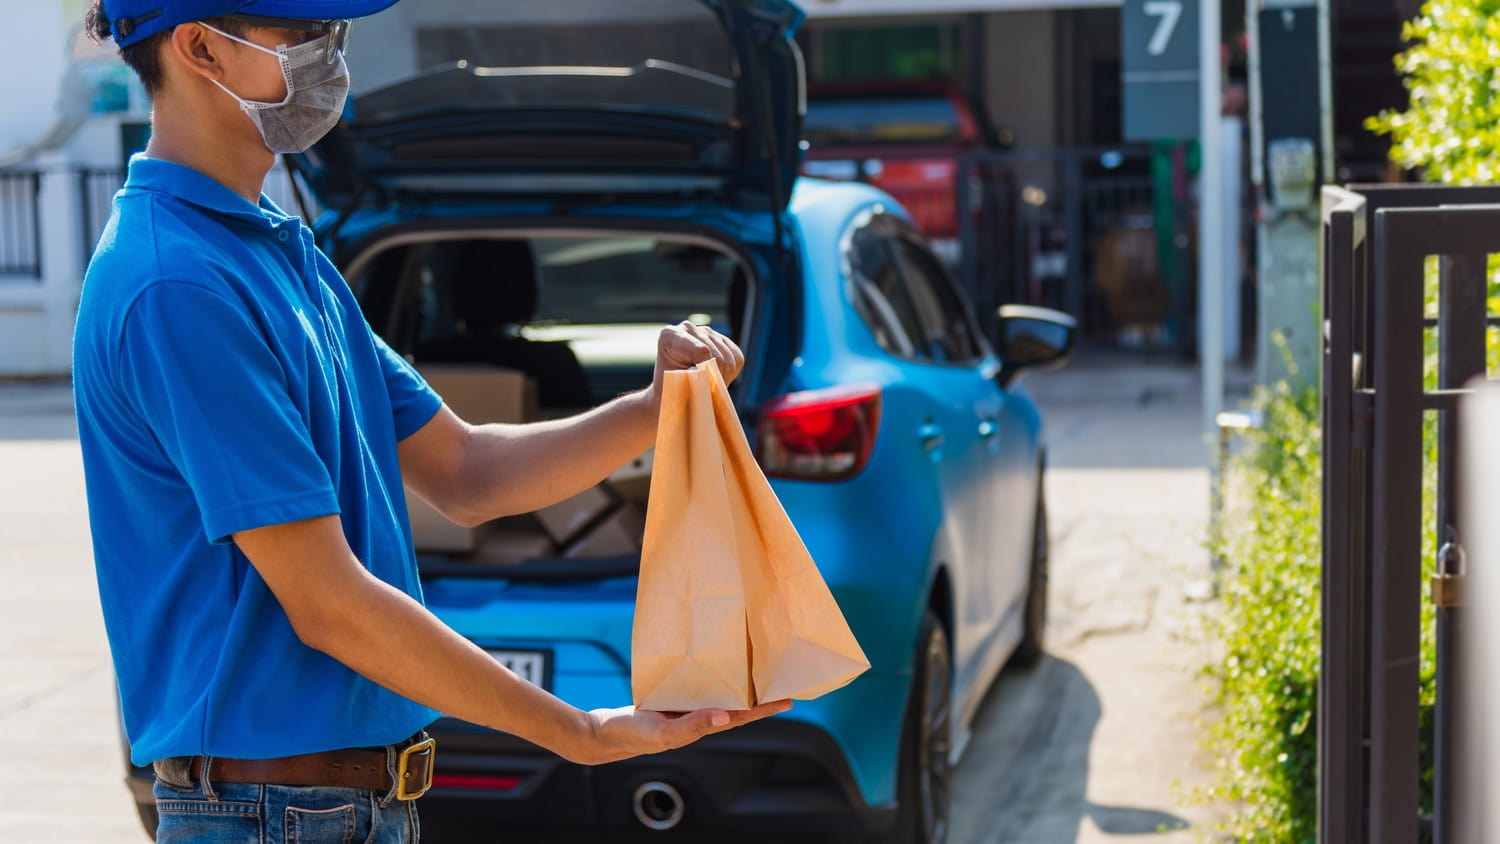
{"x": 776, "y": 776}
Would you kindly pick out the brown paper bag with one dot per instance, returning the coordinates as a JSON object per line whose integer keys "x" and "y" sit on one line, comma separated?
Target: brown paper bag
{"x": 730, "y": 611}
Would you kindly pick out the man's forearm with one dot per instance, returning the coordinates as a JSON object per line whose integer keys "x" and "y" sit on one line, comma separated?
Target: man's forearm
{"x": 511, "y": 469}
{"x": 422, "y": 659}
{"x": 472, "y": 474}
{"x": 336, "y": 606}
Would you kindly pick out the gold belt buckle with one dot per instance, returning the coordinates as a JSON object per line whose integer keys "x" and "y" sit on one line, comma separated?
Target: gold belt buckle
{"x": 404, "y": 791}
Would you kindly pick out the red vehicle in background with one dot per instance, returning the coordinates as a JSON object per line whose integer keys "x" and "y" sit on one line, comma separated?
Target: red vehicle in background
{"x": 906, "y": 137}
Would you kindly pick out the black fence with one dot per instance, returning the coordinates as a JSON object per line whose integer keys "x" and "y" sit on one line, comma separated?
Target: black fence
{"x": 20, "y": 223}
{"x": 1382, "y": 248}
{"x": 1081, "y": 230}
{"x": 1104, "y": 233}
{"x": 96, "y": 191}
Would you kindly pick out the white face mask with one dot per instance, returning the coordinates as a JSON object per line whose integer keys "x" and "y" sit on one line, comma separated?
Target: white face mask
{"x": 316, "y": 89}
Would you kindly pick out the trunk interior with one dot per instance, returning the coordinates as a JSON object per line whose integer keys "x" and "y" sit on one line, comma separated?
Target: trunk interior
{"x": 516, "y": 326}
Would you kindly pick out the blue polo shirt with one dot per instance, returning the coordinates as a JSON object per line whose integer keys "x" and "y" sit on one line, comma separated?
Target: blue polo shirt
{"x": 226, "y": 380}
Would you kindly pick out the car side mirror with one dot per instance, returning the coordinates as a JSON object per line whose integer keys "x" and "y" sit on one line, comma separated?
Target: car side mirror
{"x": 1033, "y": 338}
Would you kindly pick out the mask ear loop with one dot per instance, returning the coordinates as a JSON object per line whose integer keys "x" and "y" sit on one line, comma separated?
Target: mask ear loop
{"x": 281, "y": 54}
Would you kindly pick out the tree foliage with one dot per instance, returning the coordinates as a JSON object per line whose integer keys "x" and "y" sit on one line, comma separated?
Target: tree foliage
{"x": 1450, "y": 130}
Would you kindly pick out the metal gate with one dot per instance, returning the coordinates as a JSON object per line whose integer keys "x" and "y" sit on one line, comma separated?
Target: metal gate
{"x": 1377, "y": 246}
{"x": 1104, "y": 233}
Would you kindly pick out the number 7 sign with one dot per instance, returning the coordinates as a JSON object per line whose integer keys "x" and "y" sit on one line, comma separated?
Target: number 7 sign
{"x": 1168, "y": 14}
{"x": 1160, "y": 68}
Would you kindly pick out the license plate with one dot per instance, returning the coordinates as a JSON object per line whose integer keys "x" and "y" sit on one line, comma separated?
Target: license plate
{"x": 530, "y": 666}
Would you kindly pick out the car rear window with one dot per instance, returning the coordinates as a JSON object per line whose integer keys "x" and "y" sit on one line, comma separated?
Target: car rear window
{"x": 845, "y": 121}
{"x": 446, "y": 56}
{"x": 579, "y": 313}
{"x": 622, "y": 281}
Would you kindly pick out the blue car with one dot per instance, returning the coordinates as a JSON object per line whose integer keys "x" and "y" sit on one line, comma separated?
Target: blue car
{"x": 520, "y": 195}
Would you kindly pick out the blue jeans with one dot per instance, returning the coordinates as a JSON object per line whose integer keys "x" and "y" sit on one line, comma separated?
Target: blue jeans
{"x": 236, "y": 813}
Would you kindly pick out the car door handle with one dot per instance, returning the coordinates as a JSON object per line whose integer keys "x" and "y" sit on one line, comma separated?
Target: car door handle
{"x": 931, "y": 436}
{"x": 988, "y": 429}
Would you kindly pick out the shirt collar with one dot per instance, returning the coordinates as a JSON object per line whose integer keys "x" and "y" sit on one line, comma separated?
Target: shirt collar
{"x": 191, "y": 186}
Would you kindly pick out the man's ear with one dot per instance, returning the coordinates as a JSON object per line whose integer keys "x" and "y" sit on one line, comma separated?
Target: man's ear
{"x": 190, "y": 48}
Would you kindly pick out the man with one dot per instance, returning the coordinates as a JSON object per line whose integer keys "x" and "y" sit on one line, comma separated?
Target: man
{"x": 245, "y": 439}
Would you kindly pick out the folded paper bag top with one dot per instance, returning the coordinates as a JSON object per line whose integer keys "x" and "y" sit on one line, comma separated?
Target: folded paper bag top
{"x": 731, "y": 611}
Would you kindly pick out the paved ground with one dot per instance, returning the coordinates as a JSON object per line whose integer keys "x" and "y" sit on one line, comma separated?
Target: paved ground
{"x": 1094, "y": 745}
{"x": 57, "y": 699}
{"x": 1100, "y": 742}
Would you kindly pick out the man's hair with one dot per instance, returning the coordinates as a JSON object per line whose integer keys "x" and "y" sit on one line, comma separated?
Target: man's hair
{"x": 144, "y": 56}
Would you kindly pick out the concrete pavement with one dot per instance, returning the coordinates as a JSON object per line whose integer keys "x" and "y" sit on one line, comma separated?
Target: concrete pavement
{"x": 57, "y": 698}
{"x": 1094, "y": 745}
{"x": 1100, "y": 742}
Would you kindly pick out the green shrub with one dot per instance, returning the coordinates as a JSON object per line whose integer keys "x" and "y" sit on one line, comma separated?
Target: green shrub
{"x": 1265, "y": 679}
{"x": 1264, "y": 682}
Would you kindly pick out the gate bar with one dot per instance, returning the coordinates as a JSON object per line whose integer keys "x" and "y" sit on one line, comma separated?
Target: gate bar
{"x": 1341, "y": 680}
{"x": 1396, "y": 546}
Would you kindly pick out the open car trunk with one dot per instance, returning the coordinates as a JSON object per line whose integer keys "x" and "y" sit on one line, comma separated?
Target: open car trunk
{"x": 581, "y": 98}
{"x": 515, "y": 326}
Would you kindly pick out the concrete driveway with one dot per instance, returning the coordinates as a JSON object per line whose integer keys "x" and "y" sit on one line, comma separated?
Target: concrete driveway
{"x": 1095, "y": 744}
{"x": 1100, "y": 742}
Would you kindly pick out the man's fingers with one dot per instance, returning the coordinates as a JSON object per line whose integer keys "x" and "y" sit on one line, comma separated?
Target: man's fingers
{"x": 765, "y": 710}
{"x": 686, "y": 345}
{"x": 682, "y": 347}
{"x": 691, "y": 726}
{"x": 741, "y": 717}
{"x": 684, "y": 728}
{"x": 739, "y": 357}
{"x": 731, "y": 359}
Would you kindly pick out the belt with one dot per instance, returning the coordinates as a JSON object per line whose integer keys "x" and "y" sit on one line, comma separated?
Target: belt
{"x": 363, "y": 769}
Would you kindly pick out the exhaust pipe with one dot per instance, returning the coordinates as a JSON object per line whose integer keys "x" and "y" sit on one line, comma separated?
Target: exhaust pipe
{"x": 658, "y": 806}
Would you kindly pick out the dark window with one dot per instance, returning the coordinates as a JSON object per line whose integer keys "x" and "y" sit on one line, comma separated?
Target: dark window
{"x": 879, "y": 292}
{"x": 887, "y": 52}
{"x": 839, "y": 121}
{"x": 948, "y": 334}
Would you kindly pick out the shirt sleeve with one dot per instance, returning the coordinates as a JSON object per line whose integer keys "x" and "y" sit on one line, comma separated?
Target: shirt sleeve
{"x": 413, "y": 402}
{"x": 203, "y": 377}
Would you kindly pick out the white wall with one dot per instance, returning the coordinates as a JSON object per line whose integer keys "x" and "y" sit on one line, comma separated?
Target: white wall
{"x": 32, "y": 67}
{"x": 1021, "y": 89}
{"x": 36, "y": 314}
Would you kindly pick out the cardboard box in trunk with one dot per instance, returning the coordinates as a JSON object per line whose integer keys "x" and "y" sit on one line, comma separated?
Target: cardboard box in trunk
{"x": 479, "y": 394}
{"x": 617, "y": 536}
{"x": 565, "y": 520}
{"x": 633, "y": 480}
{"x": 515, "y": 541}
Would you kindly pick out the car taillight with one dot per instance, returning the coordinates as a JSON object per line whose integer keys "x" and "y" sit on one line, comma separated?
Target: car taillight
{"x": 476, "y": 782}
{"x": 819, "y": 435}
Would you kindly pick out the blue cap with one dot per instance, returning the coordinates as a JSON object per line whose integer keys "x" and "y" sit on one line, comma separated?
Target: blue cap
{"x": 136, "y": 20}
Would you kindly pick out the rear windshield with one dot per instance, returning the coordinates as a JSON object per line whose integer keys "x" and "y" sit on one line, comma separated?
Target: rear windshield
{"x": 444, "y": 56}
{"x": 582, "y": 311}
{"x": 615, "y": 281}
{"x": 836, "y": 121}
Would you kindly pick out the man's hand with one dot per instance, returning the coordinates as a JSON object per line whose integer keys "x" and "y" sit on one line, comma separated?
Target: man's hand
{"x": 685, "y": 345}
{"x": 627, "y": 732}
